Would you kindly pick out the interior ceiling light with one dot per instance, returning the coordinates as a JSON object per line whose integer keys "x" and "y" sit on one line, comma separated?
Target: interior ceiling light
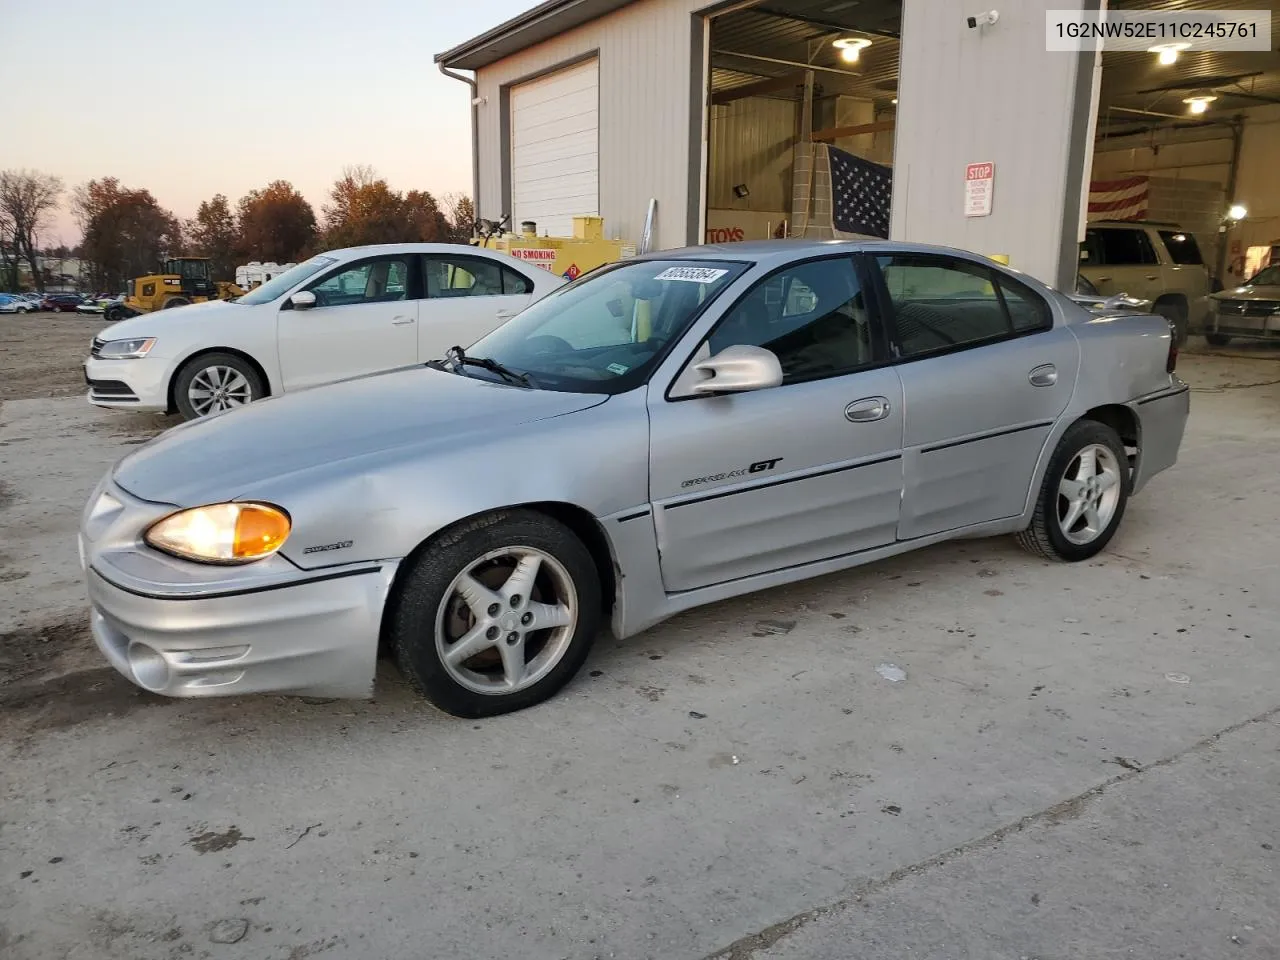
{"x": 851, "y": 47}
{"x": 1199, "y": 104}
{"x": 894, "y": 100}
{"x": 1237, "y": 212}
{"x": 1168, "y": 52}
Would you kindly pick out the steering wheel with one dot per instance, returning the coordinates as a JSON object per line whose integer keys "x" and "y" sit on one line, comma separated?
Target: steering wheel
{"x": 546, "y": 343}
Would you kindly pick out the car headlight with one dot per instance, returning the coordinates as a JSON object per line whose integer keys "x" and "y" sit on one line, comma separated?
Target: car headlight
{"x": 221, "y": 532}
{"x": 127, "y": 349}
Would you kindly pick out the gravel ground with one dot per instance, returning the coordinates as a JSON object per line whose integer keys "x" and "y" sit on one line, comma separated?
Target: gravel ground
{"x": 1080, "y": 762}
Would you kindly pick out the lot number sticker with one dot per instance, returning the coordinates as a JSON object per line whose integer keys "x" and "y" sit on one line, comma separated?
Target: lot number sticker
{"x": 691, "y": 274}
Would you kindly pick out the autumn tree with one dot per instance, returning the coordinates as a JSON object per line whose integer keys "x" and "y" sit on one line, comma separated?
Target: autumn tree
{"x": 276, "y": 224}
{"x": 461, "y": 214}
{"x": 27, "y": 197}
{"x": 213, "y": 233}
{"x": 364, "y": 210}
{"x": 126, "y": 232}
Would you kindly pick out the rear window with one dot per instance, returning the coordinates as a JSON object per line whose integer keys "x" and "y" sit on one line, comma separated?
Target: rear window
{"x": 1113, "y": 247}
{"x": 1182, "y": 248}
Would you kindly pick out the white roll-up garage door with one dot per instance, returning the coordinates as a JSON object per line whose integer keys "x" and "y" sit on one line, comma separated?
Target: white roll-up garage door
{"x": 555, "y": 149}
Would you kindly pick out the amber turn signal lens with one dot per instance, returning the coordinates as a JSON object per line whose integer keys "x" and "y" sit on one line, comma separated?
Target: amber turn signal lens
{"x": 222, "y": 532}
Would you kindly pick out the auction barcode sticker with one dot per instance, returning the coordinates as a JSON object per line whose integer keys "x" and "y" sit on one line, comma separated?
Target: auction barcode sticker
{"x": 692, "y": 274}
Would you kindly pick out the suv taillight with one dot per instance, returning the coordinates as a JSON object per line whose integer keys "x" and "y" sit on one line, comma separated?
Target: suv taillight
{"x": 1171, "y": 363}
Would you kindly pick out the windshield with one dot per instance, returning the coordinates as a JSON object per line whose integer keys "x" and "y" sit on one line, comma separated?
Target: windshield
{"x": 605, "y": 332}
{"x": 286, "y": 281}
{"x": 1267, "y": 277}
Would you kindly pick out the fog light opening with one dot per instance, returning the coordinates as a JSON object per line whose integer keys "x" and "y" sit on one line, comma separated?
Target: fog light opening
{"x": 150, "y": 671}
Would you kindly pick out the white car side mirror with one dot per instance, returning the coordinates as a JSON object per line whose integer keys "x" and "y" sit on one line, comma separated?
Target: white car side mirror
{"x": 738, "y": 369}
{"x": 303, "y": 300}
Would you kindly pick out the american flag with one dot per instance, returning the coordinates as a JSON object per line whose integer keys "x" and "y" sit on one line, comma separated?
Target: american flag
{"x": 1118, "y": 199}
{"x": 860, "y": 194}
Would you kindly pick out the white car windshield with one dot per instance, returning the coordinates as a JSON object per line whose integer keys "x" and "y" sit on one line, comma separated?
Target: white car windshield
{"x": 276, "y": 286}
{"x": 605, "y": 332}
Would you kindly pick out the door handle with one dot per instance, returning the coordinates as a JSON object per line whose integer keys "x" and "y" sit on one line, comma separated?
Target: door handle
{"x": 1045, "y": 375}
{"x": 506, "y": 314}
{"x": 1150, "y": 277}
{"x": 1104, "y": 279}
{"x": 401, "y": 321}
{"x": 867, "y": 410}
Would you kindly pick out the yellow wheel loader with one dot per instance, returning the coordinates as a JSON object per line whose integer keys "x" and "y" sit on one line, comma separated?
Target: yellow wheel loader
{"x": 181, "y": 280}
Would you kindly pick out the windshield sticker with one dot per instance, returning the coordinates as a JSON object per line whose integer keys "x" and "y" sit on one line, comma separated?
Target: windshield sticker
{"x": 617, "y": 368}
{"x": 691, "y": 274}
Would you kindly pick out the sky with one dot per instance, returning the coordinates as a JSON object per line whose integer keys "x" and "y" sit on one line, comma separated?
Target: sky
{"x": 191, "y": 99}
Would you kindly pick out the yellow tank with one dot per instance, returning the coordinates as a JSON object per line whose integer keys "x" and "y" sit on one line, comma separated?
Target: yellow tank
{"x": 564, "y": 256}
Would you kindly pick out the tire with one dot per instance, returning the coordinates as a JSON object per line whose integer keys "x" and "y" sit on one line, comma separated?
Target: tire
{"x": 113, "y": 315}
{"x": 1217, "y": 339}
{"x": 1176, "y": 314}
{"x": 231, "y": 379}
{"x": 428, "y": 616}
{"x": 1046, "y": 536}
{"x": 175, "y": 302}
{"x": 57, "y": 309}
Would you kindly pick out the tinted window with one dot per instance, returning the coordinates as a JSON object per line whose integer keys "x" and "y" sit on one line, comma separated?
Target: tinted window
{"x": 1268, "y": 277}
{"x": 370, "y": 281}
{"x": 1182, "y": 248}
{"x": 813, "y": 316}
{"x": 939, "y": 304}
{"x": 1119, "y": 248}
{"x": 472, "y": 277}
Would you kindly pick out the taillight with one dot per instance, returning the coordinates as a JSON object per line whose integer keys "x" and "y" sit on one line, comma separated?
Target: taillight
{"x": 1171, "y": 363}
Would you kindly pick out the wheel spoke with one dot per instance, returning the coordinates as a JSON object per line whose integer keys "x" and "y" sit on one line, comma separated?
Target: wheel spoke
{"x": 1071, "y": 489}
{"x": 477, "y": 596}
{"x": 1088, "y": 464}
{"x": 471, "y": 643}
{"x": 520, "y": 583}
{"x": 513, "y": 665}
{"x": 546, "y": 615}
{"x": 1091, "y": 519}
{"x": 1074, "y": 509}
{"x": 1106, "y": 480}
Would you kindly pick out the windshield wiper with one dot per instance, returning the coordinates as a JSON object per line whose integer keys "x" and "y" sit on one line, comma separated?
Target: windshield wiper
{"x": 459, "y": 358}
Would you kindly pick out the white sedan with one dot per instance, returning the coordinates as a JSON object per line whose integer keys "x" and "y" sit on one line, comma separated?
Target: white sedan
{"x": 341, "y": 314}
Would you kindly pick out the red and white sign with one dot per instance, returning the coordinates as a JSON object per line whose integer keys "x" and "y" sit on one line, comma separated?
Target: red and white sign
{"x": 979, "y": 185}
{"x": 538, "y": 256}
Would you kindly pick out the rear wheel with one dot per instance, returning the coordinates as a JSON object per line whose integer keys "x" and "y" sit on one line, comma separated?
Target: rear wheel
{"x": 1083, "y": 496}
{"x": 175, "y": 302}
{"x": 1217, "y": 339}
{"x": 214, "y": 383}
{"x": 497, "y": 615}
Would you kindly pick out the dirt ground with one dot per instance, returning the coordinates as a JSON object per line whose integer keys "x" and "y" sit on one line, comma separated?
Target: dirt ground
{"x": 1079, "y": 761}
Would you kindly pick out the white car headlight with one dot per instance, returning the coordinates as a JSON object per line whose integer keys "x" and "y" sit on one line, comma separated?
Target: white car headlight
{"x": 127, "y": 349}
{"x": 221, "y": 532}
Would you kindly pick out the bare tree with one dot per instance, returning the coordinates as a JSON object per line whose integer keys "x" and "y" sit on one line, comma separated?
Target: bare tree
{"x": 27, "y": 198}
{"x": 461, "y": 214}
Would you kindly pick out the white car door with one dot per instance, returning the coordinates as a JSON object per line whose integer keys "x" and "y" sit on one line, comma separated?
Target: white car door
{"x": 466, "y": 298}
{"x": 364, "y": 320}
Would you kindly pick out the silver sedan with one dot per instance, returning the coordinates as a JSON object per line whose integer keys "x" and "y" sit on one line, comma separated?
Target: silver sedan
{"x": 666, "y": 432}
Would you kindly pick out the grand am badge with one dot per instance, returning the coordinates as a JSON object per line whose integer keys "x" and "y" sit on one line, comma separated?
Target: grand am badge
{"x": 325, "y": 548}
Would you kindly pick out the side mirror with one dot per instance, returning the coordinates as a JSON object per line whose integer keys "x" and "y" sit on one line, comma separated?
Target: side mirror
{"x": 303, "y": 300}
{"x": 738, "y": 369}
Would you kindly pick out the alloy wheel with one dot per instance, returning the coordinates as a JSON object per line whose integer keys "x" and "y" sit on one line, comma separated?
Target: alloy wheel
{"x": 218, "y": 388}
{"x": 1089, "y": 494}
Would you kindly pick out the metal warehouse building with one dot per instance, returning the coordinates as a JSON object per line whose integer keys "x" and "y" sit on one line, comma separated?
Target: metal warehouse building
{"x": 733, "y": 116}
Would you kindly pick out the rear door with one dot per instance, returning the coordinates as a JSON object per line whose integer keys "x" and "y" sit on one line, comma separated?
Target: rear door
{"x": 466, "y": 298}
{"x": 364, "y": 321}
{"x": 748, "y": 483}
{"x": 1122, "y": 260}
{"x": 985, "y": 374}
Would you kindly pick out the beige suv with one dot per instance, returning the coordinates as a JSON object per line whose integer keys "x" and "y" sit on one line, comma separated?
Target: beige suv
{"x": 1151, "y": 261}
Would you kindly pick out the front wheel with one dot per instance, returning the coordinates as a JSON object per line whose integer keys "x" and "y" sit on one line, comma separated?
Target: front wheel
{"x": 497, "y": 615}
{"x": 214, "y": 383}
{"x": 1083, "y": 496}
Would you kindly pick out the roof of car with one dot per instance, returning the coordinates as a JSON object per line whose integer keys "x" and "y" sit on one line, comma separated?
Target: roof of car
{"x": 373, "y": 249}
{"x": 798, "y": 249}
{"x": 1134, "y": 223}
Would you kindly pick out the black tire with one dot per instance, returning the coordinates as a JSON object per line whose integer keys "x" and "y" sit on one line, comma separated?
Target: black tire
{"x": 1045, "y": 537}
{"x": 1176, "y": 314}
{"x": 412, "y": 619}
{"x": 189, "y": 370}
{"x": 113, "y": 314}
{"x": 175, "y": 302}
{"x": 1217, "y": 339}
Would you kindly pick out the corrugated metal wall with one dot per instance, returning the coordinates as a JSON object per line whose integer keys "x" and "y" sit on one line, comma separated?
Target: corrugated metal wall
{"x": 751, "y": 143}
{"x": 645, "y": 54}
{"x": 977, "y": 96}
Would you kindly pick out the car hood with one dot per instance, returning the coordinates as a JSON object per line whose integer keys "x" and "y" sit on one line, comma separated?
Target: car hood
{"x": 1260, "y": 292}
{"x": 215, "y": 459}
{"x": 152, "y": 324}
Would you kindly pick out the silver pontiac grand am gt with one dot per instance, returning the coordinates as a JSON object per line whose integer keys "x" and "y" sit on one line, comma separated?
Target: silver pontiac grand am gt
{"x": 664, "y": 432}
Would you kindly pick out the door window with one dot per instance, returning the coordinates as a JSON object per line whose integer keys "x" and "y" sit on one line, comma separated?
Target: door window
{"x": 812, "y": 316}
{"x": 1118, "y": 247}
{"x": 382, "y": 280}
{"x": 941, "y": 304}
{"x": 449, "y": 277}
{"x": 1182, "y": 247}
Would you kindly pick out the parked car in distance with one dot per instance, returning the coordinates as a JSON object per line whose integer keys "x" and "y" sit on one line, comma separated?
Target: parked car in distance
{"x": 96, "y": 305}
{"x": 61, "y": 302}
{"x": 341, "y": 314}
{"x": 15, "y": 303}
{"x": 1158, "y": 262}
{"x": 1250, "y": 311}
{"x": 668, "y": 431}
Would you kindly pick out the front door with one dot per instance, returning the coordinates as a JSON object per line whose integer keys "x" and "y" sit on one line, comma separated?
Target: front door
{"x": 985, "y": 374}
{"x": 467, "y": 297}
{"x": 364, "y": 321}
{"x": 747, "y": 483}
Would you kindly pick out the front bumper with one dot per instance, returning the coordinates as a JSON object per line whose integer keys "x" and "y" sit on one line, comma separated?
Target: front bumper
{"x": 133, "y": 384}
{"x": 183, "y": 629}
{"x": 1253, "y": 325}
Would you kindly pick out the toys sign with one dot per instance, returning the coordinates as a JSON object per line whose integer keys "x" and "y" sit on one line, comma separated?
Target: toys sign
{"x": 979, "y": 185}
{"x": 537, "y": 256}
